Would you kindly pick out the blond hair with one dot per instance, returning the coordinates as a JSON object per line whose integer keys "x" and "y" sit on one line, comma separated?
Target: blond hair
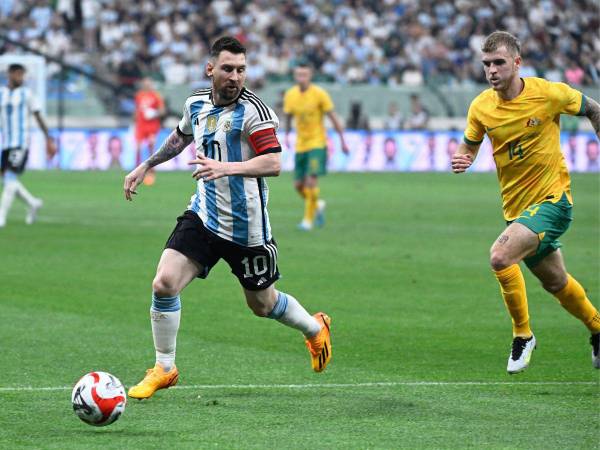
{"x": 501, "y": 38}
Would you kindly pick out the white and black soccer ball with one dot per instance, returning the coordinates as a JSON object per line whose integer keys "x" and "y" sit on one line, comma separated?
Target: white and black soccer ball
{"x": 99, "y": 398}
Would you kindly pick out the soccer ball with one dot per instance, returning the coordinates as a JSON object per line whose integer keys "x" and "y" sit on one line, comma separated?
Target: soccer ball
{"x": 99, "y": 398}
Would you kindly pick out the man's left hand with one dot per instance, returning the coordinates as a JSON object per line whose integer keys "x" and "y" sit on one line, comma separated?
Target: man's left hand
{"x": 208, "y": 169}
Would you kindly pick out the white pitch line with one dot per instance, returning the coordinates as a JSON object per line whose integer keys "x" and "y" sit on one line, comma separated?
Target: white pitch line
{"x": 335, "y": 385}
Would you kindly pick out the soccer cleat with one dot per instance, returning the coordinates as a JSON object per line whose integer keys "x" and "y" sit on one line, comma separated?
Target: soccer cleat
{"x": 33, "y": 210}
{"x": 319, "y": 345}
{"x": 520, "y": 355}
{"x": 320, "y": 215}
{"x": 595, "y": 341}
{"x": 155, "y": 379}
{"x": 305, "y": 226}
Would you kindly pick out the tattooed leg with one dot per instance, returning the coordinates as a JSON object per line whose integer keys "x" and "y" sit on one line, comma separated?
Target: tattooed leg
{"x": 515, "y": 243}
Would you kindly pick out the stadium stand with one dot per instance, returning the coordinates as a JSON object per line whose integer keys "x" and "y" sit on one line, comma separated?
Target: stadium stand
{"x": 404, "y": 45}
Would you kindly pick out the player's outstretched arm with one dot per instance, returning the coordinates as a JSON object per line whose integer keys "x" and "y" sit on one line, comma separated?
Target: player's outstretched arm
{"x": 265, "y": 165}
{"x": 339, "y": 128}
{"x": 170, "y": 148}
{"x": 464, "y": 157}
{"x": 592, "y": 112}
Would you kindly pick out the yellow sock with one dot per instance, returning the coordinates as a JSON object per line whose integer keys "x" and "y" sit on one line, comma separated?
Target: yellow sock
{"x": 310, "y": 205}
{"x": 573, "y": 298}
{"x": 512, "y": 286}
{"x": 314, "y": 198}
{"x": 316, "y": 193}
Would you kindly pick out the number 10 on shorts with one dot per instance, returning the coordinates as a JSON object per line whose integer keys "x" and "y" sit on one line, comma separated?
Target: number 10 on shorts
{"x": 259, "y": 264}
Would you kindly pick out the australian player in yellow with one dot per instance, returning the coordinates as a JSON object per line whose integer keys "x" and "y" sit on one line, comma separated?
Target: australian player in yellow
{"x": 521, "y": 118}
{"x": 309, "y": 104}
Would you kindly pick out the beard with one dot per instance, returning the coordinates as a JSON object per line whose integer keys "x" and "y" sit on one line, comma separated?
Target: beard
{"x": 229, "y": 93}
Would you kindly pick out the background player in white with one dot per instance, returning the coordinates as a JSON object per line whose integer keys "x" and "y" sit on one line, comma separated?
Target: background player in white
{"x": 17, "y": 104}
{"x": 234, "y": 135}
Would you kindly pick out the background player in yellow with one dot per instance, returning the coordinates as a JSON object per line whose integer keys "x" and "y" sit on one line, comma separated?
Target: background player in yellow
{"x": 308, "y": 104}
{"x": 521, "y": 118}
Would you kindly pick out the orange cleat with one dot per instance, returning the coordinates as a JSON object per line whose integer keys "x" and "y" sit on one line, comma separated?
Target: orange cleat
{"x": 319, "y": 345}
{"x": 155, "y": 379}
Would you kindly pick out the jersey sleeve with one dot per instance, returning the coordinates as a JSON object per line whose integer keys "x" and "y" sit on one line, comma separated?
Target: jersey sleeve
{"x": 264, "y": 141}
{"x": 326, "y": 102}
{"x": 185, "y": 124}
{"x": 260, "y": 125}
{"x": 566, "y": 100}
{"x": 259, "y": 117}
{"x": 474, "y": 130}
{"x": 33, "y": 103}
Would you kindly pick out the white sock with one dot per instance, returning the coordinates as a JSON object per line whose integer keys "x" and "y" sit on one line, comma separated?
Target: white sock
{"x": 165, "y": 314}
{"x": 8, "y": 195}
{"x": 289, "y": 312}
{"x": 25, "y": 194}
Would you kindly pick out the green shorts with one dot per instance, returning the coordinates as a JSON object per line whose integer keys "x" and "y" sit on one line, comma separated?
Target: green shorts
{"x": 312, "y": 162}
{"x": 549, "y": 221}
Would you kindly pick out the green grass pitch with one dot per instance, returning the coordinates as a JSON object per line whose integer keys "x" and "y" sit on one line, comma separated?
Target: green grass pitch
{"x": 401, "y": 267}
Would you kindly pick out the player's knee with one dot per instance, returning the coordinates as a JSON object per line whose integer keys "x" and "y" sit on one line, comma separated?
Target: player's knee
{"x": 499, "y": 260}
{"x": 164, "y": 286}
{"x": 312, "y": 181}
{"x": 260, "y": 304}
{"x": 258, "y": 309}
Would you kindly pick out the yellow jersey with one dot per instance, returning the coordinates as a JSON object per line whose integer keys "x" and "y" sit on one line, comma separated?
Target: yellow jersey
{"x": 308, "y": 109}
{"x": 525, "y": 137}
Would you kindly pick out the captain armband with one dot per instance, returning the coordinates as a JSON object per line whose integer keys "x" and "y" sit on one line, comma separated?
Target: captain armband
{"x": 265, "y": 141}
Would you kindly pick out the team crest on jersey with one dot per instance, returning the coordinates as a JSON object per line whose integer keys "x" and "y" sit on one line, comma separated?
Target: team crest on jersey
{"x": 534, "y": 122}
{"x": 227, "y": 126}
{"x": 211, "y": 124}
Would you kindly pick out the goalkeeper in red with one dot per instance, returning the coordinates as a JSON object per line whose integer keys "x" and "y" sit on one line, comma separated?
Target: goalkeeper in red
{"x": 521, "y": 118}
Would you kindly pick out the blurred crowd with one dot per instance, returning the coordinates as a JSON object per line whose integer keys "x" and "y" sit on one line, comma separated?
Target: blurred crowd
{"x": 347, "y": 41}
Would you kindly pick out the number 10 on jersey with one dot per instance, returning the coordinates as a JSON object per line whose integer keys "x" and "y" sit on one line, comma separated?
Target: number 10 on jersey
{"x": 212, "y": 149}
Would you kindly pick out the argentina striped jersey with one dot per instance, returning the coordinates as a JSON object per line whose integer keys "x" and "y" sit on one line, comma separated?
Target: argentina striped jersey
{"x": 233, "y": 207}
{"x": 16, "y": 106}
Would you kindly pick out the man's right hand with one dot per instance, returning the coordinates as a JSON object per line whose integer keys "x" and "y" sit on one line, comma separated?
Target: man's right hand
{"x": 133, "y": 180}
{"x": 461, "y": 162}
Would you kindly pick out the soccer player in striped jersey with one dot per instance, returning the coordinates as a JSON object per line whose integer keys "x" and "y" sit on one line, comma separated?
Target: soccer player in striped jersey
{"x": 521, "y": 118}
{"x": 234, "y": 135}
{"x": 308, "y": 104}
{"x": 17, "y": 104}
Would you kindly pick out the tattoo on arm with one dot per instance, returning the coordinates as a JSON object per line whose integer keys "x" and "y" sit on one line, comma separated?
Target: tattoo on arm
{"x": 503, "y": 239}
{"x": 170, "y": 148}
{"x": 592, "y": 112}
